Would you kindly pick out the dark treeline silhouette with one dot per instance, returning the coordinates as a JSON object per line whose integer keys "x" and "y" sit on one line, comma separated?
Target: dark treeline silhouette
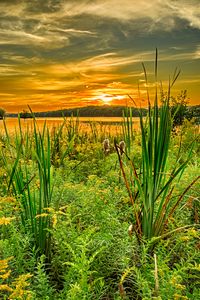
{"x": 103, "y": 111}
{"x": 88, "y": 111}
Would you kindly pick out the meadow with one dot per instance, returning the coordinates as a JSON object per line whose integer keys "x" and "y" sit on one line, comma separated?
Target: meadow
{"x": 100, "y": 213}
{"x": 74, "y": 224}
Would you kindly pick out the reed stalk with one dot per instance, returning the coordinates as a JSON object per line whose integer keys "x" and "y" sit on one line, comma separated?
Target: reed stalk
{"x": 152, "y": 202}
{"x": 27, "y": 160}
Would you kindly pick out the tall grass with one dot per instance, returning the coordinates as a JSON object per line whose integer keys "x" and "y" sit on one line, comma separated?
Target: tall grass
{"x": 127, "y": 128}
{"x": 28, "y": 165}
{"x": 152, "y": 200}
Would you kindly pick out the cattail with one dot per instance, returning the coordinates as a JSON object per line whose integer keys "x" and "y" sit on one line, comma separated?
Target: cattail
{"x": 106, "y": 146}
{"x": 122, "y": 146}
{"x": 122, "y": 291}
{"x": 130, "y": 230}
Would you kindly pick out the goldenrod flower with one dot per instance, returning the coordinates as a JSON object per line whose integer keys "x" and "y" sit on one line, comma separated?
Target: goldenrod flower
{"x": 192, "y": 232}
{"x": 180, "y": 286}
{"x": 5, "y": 287}
{"x": 49, "y": 209}
{"x": 179, "y": 297}
{"x": 20, "y": 284}
{"x": 185, "y": 238}
{"x": 10, "y": 200}
{"x": 42, "y": 215}
{"x": 6, "y": 220}
{"x": 54, "y": 220}
{"x": 5, "y": 275}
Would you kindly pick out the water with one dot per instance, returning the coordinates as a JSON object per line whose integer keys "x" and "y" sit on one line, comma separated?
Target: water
{"x": 12, "y": 123}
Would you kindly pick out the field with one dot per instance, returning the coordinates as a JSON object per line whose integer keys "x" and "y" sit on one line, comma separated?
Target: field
{"x": 84, "y": 216}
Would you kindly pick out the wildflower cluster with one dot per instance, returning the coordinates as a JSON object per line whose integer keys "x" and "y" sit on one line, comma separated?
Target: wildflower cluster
{"x": 53, "y": 214}
{"x": 17, "y": 289}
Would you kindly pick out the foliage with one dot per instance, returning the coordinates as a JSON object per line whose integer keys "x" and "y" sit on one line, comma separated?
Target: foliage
{"x": 151, "y": 190}
{"x": 43, "y": 289}
{"x": 91, "y": 255}
{"x": 21, "y": 181}
{"x": 127, "y": 127}
{"x": 17, "y": 289}
{"x": 2, "y": 113}
{"x": 179, "y": 108}
{"x": 25, "y": 114}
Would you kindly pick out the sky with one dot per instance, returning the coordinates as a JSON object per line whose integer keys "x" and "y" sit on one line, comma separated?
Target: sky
{"x": 58, "y": 54}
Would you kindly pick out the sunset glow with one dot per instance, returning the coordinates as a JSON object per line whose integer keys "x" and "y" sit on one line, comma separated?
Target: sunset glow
{"x": 61, "y": 54}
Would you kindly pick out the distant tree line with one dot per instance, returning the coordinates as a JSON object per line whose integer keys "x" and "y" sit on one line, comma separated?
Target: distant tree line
{"x": 25, "y": 114}
{"x": 90, "y": 111}
{"x": 179, "y": 110}
{"x": 2, "y": 113}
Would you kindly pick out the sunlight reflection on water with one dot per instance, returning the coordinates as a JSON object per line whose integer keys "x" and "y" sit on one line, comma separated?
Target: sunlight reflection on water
{"x": 103, "y": 123}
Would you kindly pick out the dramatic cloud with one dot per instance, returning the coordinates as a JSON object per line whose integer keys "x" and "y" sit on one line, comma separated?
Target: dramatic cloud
{"x": 58, "y": 53}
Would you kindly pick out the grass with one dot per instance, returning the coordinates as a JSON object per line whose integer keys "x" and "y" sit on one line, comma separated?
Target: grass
{"x": 151, "y": 191}
{"x": 72, "y": 228}
{"x": 29, "y": 179}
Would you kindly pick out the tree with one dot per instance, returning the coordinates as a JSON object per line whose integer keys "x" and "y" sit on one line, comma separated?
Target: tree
{"x": 25, "y": 114}
{"x": 2, "y": 113}
{"x": 179, "y": 108}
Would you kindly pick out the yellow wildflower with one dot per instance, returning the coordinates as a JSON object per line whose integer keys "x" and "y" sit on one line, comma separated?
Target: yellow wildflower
{"x": 4, "y": 263}
{"x": 6, "y": 220}
{"x": 5, "y": 287}
{"x": 192, "y": 232}
{"x": 10, "y": 200}
{"x": 42, "y": 215}
{"x": 49, "y": 209}
{"x": 63, "y": 208}
{"x": 179, "y": 297}
{"x": 5, "y": 275}
{"x": 54, "y": 220}
{"x": 175, "y": 279}
{"x": 185, "y": 238}
{"x": 20, "y": 284}
{"x": 179, "y": 286}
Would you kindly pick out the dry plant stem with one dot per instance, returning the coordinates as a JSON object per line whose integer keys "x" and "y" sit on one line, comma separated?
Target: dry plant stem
{"x": 128, "y": 188}
{"x": 155, "y": 185}
{"x": 154, "y": 240}
{"x": 156, "y": 276}
{"x": 181, "y": 197}
{"x": 163, "y": 213}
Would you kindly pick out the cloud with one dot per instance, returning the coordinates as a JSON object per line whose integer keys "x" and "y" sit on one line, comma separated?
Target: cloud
{"x": 197, "y": 53}
{"x": 20, "y": 37}
{"x": 188, "y": 10}
{"x": 160, "y": 14}
{"x": 74, "y": 31}
{"x": 52, "y": 50}
{"x": 156, "y": 14}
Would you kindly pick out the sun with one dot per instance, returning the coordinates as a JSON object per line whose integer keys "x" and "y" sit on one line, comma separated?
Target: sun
{"x": 109, "y": 98}
{"x": 106, "y": 98}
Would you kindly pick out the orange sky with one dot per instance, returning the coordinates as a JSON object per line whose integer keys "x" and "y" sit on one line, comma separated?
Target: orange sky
{"x": 64, "y": 54}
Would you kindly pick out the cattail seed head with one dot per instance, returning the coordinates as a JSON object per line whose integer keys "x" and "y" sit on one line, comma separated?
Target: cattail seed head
{"x": 122, "y": 147}
{"x": 130, "y": 230}
{"x": 106, "y": 146}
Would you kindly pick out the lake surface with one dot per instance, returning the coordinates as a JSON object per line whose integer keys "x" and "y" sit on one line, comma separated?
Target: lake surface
{"x": 85, "y": 122}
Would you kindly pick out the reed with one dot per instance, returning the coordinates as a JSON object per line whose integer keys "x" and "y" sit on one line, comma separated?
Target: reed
{"x": 73, "y": 127}
{"x": 152, "y": 199}
{"x": 127, "y": 128}
{"x": 27, "y": 160}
